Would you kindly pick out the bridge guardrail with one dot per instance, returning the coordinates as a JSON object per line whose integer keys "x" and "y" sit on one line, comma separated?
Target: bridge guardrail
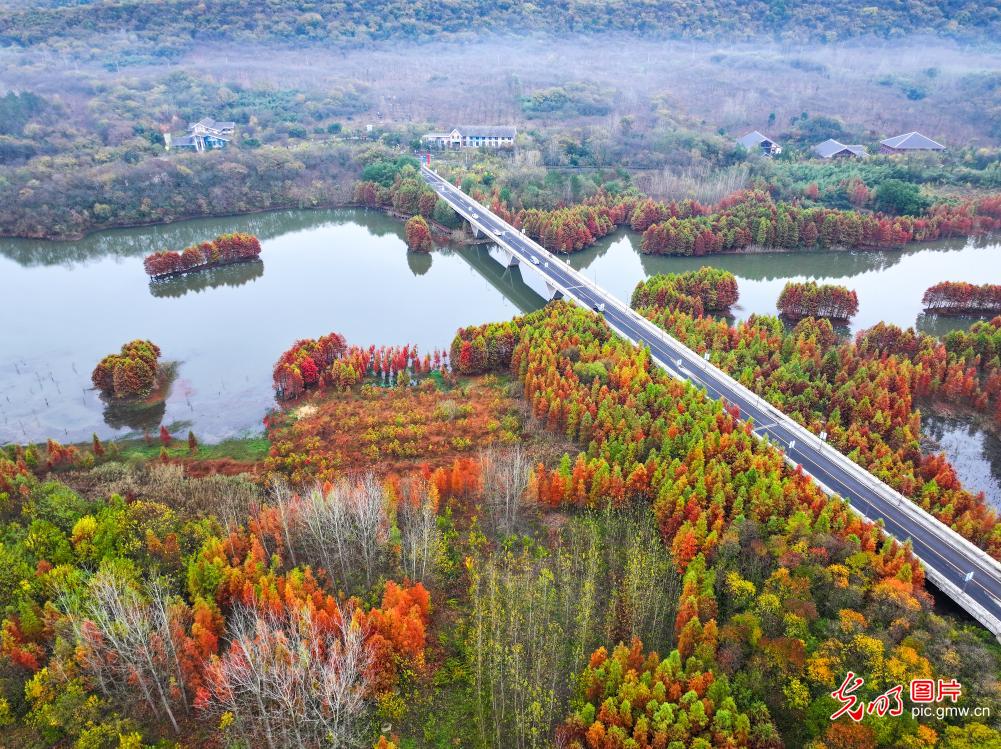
{"x": 887, "y": 492}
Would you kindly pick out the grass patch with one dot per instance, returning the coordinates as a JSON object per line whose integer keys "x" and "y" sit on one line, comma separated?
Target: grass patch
{"x": 245, "y": 449}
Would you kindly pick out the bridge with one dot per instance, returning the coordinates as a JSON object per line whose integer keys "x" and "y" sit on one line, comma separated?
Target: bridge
{"x": 956, "y": 566}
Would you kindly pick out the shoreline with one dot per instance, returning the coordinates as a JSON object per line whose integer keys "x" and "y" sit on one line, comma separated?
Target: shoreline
{"x": 451, "y": 234}
{"x": 180, "y": 219}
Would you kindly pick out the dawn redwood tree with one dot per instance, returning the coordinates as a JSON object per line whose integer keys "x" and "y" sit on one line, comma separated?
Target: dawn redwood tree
{"x": 418, "y": 234}
{"x": 811, "y": 299}
{"x": 957, "y": 298}
{"x": 226, "y": 248}
{"x": 132, "y": 373}
{"x": 705, "y": 290}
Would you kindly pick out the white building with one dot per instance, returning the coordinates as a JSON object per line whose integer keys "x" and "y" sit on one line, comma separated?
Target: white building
{"x": 473, "y": 136}
{"x": 205, "y": 135}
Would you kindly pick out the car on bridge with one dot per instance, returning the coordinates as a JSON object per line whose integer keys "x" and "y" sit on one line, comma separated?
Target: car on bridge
{"x": 599, "y": 307}
{"x": 535, "y": 259}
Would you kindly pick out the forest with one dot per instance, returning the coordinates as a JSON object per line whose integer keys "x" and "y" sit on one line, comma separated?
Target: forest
{"x": 810, "y": 299}
{"x": 865, "y": 393}
{"x": 552, "y": 544}
{"x": 741, "y": 220}
{"x": 628, "y": 563}
{"x": 171, "y": 31}
{"x": 529, "y": 536}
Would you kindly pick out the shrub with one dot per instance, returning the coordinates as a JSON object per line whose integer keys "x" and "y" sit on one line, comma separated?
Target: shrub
{"x": 131, "y": 373}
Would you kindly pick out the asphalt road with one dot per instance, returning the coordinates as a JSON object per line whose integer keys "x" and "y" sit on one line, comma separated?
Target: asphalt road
{"x": 932, "y": 545}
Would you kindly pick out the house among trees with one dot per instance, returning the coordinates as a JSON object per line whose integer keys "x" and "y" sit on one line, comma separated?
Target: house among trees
{"x": 832, "y": 149}
{"x": 755, "y": 140}
{"x": 909, "y": 142}
{"x": 205, "y": 135}
{"x": 473, "y": 136}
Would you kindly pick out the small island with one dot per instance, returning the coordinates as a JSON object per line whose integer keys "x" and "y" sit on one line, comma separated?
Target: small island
{"x": 131, "y": 374}
{"x": 223, "y": 250}
{"x": 695, "y": 293}
{"x": 960, "y": 298}
{"x": 810, "y": 299}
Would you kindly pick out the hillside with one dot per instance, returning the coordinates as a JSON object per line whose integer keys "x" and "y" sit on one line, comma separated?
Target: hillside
{"x": 173, "y": 26}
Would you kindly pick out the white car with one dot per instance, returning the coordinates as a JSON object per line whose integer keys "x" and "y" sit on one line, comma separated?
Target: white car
{"x": 474, "y": 215}
{"x": 535, "y": 259}
{"x": 599, "y": 307}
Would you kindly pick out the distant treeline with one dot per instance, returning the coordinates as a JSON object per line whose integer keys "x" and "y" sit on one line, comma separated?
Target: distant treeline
{"x": 42, "y": 200}
{"x": 163, "y": 29}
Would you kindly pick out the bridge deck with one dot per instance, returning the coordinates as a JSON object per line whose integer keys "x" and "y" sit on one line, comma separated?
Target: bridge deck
{"x": 948, "y": 558}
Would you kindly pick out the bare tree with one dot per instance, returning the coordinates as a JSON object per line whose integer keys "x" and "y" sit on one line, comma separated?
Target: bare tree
{"x": 368, "y": 511}
{"x": 289, "y": 682}
{"x": 505, "y": 479}
{"x": 128, "y": 643}
{"x": 420, "y": 537}
{"x": 342, "y": 528}
{"x": 284, "y": 501}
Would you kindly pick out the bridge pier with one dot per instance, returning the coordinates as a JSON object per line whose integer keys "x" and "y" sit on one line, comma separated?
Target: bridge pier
{"x": 554, "y": 293}
{"x": 503, "y": 256}
{"x": 476, "y": 230}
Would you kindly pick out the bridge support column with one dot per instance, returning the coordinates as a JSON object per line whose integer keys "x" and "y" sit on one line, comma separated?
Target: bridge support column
{"x": 475, "y": 229}
{"x": 553, "y": 292}
{"x": 512, "y": 259}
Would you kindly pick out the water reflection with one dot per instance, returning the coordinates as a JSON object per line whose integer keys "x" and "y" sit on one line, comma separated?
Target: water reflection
{"x": 507, "y": 280}
{"x": 236, "y": 274}
{"x": 974, "y": 453}
{"x": 136, "y": 417}
{"x": 942, "y": 325}
{"x": 335, "y": 270}
{"x": 140, "y": 241}
{"x": 419, "y": 262}
{"x": 890, "y": 284}
{"x": 345, "y": 271}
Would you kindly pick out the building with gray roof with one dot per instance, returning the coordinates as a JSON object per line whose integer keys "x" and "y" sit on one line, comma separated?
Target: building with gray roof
{"x": 833, "y": 149}
{"x": 914, "y": 141}
{"x": 755, "y": 141}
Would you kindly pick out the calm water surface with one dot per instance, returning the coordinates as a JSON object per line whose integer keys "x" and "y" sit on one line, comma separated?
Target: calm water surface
{"x": 974, "y": 453}
{"x": 70, "y": 303}
{"x": 889, "y": 284}
{"x": 319, "y": 272}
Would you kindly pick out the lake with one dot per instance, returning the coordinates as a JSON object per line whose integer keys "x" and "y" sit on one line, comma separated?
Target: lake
{"x": 973, "y": 452}
{"x": 70, "y": 303}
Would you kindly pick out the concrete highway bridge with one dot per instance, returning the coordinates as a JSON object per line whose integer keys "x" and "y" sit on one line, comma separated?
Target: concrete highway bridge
{"x": 957, "y": 567}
